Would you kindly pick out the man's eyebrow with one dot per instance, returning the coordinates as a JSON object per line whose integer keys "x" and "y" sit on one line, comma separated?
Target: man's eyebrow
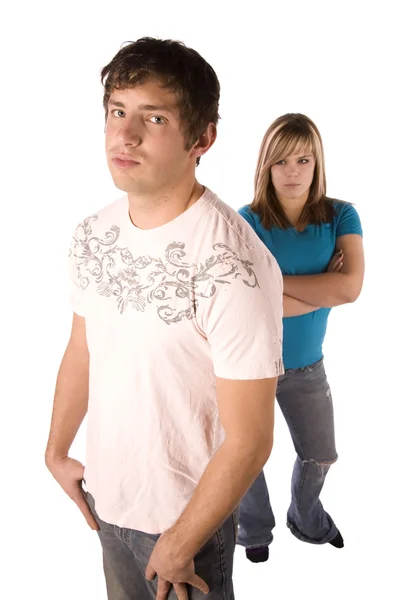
{"x": 162, "y": 107}
{"x": 115, "y": 103}
{"x": 144, "y": 107}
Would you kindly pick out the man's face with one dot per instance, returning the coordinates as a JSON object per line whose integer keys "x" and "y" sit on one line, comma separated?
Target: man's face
{"x": 145, "y": 143}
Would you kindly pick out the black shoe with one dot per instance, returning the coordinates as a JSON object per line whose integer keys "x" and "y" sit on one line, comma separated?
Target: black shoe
{"x": 257, "y": 555}
{"x": 337, "y": 541}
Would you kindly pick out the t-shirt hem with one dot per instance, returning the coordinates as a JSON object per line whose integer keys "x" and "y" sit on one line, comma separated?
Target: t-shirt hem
{"x": 273, "y": 369}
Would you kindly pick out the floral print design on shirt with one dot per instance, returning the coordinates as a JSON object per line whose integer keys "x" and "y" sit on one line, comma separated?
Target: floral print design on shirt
{"x": 173, "y": 284}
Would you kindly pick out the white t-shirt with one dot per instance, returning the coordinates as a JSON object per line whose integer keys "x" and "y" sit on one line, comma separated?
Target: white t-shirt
{"x": 166, "y": 311}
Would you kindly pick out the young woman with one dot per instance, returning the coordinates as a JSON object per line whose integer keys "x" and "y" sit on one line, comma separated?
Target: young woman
{"x": 317, "y": 242}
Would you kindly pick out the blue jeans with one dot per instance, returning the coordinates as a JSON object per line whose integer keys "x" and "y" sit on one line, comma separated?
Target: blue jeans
{"x": 126, "y": 553}
{"x": 305, "y": 399}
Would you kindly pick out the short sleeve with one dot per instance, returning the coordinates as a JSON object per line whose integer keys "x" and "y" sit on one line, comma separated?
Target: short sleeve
{"x": 77, "y": 282}
{"x": 242, "y": 317}
{"x": 348, "y": 220}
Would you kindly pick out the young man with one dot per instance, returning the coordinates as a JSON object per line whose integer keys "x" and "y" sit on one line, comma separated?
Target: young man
{"x": 178, "y": 304}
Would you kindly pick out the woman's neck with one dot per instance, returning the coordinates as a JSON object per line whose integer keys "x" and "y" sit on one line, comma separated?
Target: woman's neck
{"x": 293, "y": 207}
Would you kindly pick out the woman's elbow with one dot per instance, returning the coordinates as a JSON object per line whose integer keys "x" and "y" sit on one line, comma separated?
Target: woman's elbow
{"x": 352, "y": 288}
{"x": 353, "y": 292}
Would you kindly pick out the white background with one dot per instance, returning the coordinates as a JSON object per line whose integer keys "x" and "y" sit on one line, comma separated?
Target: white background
{"x": 335, "y": 62}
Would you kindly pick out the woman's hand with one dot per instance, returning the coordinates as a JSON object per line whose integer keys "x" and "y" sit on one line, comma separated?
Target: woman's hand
{"x": 336, "y": 264}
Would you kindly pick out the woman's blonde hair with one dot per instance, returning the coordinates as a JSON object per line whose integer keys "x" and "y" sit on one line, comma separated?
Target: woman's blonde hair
{"x": 291, "y": 134}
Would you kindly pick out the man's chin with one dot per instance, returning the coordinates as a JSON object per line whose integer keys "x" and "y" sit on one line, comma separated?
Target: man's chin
{"x": 129, "y": 187}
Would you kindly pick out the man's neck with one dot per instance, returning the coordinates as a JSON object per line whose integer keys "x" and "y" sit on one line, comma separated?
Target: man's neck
{"x": 149, "y": 212}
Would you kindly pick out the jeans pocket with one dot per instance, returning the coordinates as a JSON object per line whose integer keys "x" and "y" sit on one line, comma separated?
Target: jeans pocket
{"x": 90, "y": 500}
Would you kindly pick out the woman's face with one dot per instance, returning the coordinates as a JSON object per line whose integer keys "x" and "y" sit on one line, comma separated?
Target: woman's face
{"x": 292, "y": 176}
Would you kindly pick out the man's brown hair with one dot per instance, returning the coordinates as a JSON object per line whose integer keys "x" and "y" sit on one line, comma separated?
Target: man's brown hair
{"x": 175, "y": 67}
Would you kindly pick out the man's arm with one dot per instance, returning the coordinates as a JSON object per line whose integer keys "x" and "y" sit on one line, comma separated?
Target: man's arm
{"x": 243, "y": 326}
{"x": 331, "y": 289}
{"x": 69, "y": 410}
{"x": 246, "y": 410}
{"x": 294, "y": 308}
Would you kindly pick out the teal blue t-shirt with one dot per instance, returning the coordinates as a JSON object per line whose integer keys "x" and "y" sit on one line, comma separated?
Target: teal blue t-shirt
{"x": 305, "y": 253}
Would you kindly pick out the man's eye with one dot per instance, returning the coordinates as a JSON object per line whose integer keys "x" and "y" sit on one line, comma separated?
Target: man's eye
{"x": 157, "y": 120}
